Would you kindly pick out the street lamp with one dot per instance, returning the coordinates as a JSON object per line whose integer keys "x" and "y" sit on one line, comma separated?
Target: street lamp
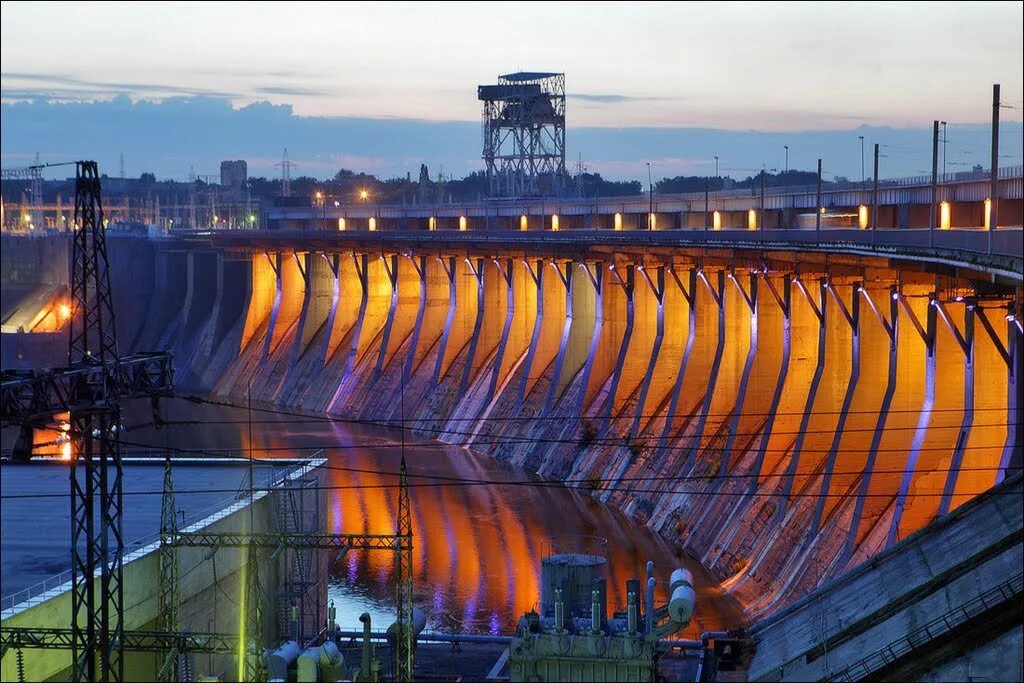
{"x": 786, "y": 147}
{"x": 364, "y": 195}
{"x": 650, "y": 199}
{"x": 716, "y": 167}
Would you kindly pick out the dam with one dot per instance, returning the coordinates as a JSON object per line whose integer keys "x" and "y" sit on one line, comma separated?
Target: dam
{"x": 781, "y": 408}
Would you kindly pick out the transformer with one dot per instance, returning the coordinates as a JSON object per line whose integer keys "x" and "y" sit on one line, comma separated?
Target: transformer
{"x": 524, "y": 135}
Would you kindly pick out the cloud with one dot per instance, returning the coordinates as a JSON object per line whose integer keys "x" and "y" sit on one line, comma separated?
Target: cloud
{"x": 291, "y": 90}
{"x": 67, "y": 86}
{"x": 615, "y": 99}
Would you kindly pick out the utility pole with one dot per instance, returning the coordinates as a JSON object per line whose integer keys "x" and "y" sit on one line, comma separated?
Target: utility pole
{"x": 993, "y": 190}
{"x": 943, "y": 123}
{"x": 935, "y": 184}
{"x": 650, "y": 199}
{"x": 706, "y": 184}
{"x": 760, "y": 213}
{"x": 874, "y": 198}
{"x": 817, "y": 207}
{"x": 787, "y": 158}
{"x": 716, "y": 167}
{"x": 861, "y": 137}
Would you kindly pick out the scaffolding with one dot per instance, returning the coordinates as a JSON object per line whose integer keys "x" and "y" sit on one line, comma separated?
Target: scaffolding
{"x": 524, "y": 135}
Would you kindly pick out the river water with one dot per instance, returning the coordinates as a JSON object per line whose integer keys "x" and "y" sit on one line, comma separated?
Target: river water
{"x": 477, "y": 545}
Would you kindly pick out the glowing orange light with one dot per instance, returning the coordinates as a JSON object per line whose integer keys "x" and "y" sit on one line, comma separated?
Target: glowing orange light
{"x": 862, "y": 216}
{"x": 65, "y": 311}
{"x": 65, "y": 451}
{"x": 363, "y": 194}
{"x": 945, "y": 218}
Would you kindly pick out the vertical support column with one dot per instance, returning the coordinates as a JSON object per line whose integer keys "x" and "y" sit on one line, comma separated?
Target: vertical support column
{"x": 785, "y": 304}
{"x": 566, "y": 280}
{"x": 852, "y": 317}
{"x": 927, "y": 333}
{"x": 891, "y": 327}
{"x": 597, "y": 280}
{"x": 538, "y": 281}
{"x": 304, "y": 266}
{"x": 275, "y": 264}
{"x": 420, "y": 264}
{"x": 690, "y": 295}
{"x": 449, "y": 270}
{"x": 334, "y": 263}
{"x": 628, "y": 285}
{"x": 467, "y": 371}
{"x": 1013, "y": 356}
{"x": 361, "y": 263}
{"x": 658, "y": 289}
{"x": 510, "y": 307}
{"x": 820, "y": 310}
{"x": 718, "y": 296}
{"x": 966, "y": 343}
{"x": 737, "y": 412}
{"x": 391, "y": 268}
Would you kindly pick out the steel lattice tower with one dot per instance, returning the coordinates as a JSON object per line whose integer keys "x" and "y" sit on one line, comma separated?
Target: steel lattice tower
{"x": 253, "y": 668}
{"x": 96, "y": 499}
{"x": 524, "y": 134}
{"x": 403, "y": 580}
{"x": 169, "y": 571}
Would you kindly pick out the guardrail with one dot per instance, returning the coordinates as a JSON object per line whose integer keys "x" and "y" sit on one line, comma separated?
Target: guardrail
{"x": 58, "y": 581}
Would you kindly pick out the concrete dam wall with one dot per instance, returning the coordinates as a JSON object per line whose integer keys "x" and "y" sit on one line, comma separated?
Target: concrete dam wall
{"x": 781, "y": 416}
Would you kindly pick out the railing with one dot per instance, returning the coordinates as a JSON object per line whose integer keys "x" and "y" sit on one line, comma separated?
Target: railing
{"x": 940, "y": 626}
{"x": 59, "y": 580}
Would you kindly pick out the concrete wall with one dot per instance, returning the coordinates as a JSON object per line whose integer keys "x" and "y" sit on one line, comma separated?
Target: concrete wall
{"x": 750, "y": 429}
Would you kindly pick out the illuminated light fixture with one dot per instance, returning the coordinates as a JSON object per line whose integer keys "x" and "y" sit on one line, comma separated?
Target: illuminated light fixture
{"x": 373, "y": 224}
{"x": 895, "y": 296}
{"x": 364, "y": 195}
{"x": 862, "y": 216}
{"x": 821, "y": 210}
{"x": 65, "y": 311}
{"x": 945, "y": 218}
{"x": 432, "y": 223}
{"x": 554, "y": 222}
{"x": 523, "y": 225}
{"x": 618, "y": 221}
{"x": 751, "y": 219}
{"x": 958, "y": 299}
{"x": 716, "y": 220}
{"x": 730, "y": 276}
{"x": 611, "y": 267}
{"x": 1011, "y": 317}
{"x": 341, "y": 225}
{"x": 640, "y": 267}
{"x": 462, "y": 223}
{"x": 319, "y": 195}
{"x": 336, "y": 203}
{"x": 988, "y": 214}
{"x": 652, "y": 221}
{"x": 65, "y": 451}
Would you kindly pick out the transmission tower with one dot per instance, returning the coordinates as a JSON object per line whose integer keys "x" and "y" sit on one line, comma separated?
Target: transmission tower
{"x": 403, "y": 580}
{"x": 252, "y": 668}
{"x": 169, "y": 572}
{"x": 286, "y": 174}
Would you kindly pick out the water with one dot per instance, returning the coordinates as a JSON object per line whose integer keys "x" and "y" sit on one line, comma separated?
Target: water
{"x": 477, "y": 547}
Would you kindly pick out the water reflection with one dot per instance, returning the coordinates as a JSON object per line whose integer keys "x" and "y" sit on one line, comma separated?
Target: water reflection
{"x": 477, "y": 548}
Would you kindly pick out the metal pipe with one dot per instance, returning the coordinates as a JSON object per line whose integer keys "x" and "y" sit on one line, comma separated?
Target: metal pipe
{"x": 649, "y": 599}
{"x": 631, "y": 613}
{"x": 367, "y": 647}
{"x": 559, "y": 611}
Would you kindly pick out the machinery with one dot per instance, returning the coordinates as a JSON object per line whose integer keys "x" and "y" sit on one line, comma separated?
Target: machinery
{"x": 573, "y": 638}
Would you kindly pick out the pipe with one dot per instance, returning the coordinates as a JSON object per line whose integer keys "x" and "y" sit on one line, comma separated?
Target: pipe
{"x": 559, "y": 612}
{"x": 649, "y": 600}
{"x": 429, "y": 637}
{"x": 595, "y": 611}
{"x": 280, "y": 659}
{"x": 364, "y": 663}
{"x": 631, "y": 615}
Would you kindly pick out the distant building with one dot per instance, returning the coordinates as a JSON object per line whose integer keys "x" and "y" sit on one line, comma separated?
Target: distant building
{"x": 234, "y": 174}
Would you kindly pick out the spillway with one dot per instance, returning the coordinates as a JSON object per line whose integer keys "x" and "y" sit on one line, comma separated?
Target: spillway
{"x": 779, "y": 416}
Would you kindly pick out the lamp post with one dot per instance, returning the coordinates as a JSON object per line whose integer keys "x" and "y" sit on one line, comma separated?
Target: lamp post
{"x": 650, "y": 199}
{"x": 786, "y": 147}
{"x": 716, "y": 167}
{"x": 861, "y": 138}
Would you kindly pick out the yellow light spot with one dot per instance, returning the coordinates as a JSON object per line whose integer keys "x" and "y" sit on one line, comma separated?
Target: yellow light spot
{"x": 751, "y": 219}
{"x": 364, "y": 194}
{"x": 373, "y": 224}
{"x": 341, "y": 224}
{"x": 988, "y": 214}
{"x": 618, "y": 221}
{"x": 862, "y": 216}
{"x": 65, "y": 311}
{"x": 432, "y": 224}
{"x": 523, "y": 225}
{"x": 65, "y": 451}
{"x": 462, "y": 223}
{"x": 945, "y": 218}
{"x": 554, "y": 222}
{"x": 716, "y": 220}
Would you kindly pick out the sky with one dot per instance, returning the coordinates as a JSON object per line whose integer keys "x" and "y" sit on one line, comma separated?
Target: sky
{"x": 739, "y": 79}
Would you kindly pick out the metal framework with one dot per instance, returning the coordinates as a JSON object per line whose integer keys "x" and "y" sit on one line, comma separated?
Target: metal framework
{"x": 89, "y": 389}
{"x": 524, "y": 134}
{"x": 403, "y": 580}
{"x": 40, "y": 638}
